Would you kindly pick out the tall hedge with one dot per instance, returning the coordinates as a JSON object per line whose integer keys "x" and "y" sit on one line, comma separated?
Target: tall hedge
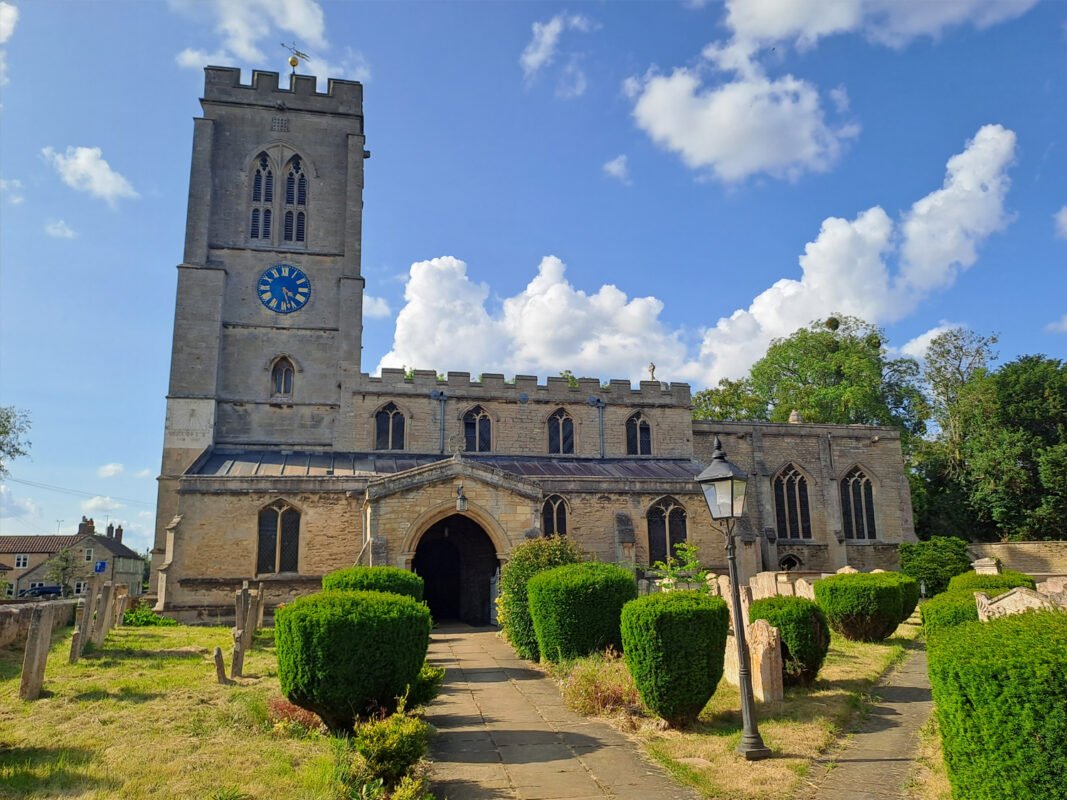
{"x": 576, "y": 608}
{"x": 935, "y": 562}
{"x": 949, "y": 609}
{"x": 973, "y": 582}
{"x": 674, "y": 644}
{"x": 513, "y": 607}
{"x": 863, "y": 607}
{"x": 344, "y": 654}
{"x": 1001, "y": 700}
{"x": 804, "y": 632}
{"x": 375, "y": 579}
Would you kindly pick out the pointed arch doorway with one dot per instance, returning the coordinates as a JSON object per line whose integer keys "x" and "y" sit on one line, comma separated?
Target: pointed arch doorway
{"x": 457, "y": 561}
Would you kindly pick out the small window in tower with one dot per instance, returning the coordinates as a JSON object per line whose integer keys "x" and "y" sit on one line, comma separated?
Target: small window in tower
{"x": 290, "y": 189}
{"x": 266, "y": 223}
{"x": 254, "y": 232}
{"x": 302, "y": 191}
{"x": 389, "y": 428}
{"x": 288, "y": 233}
{"x": 281, "y": 378}
{"x": 257, "y": 187}
{"x": 300, "y": 226}
{"x": 560, "y": 433}
{"x": 477, "y": 431}
{"x": 268, "y": 187}
{"x": 638, "y": 436}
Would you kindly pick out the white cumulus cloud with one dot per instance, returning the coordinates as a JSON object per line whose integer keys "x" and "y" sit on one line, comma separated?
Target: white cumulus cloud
{"x": 84, "y": 169}
{"x": 1059, "y": 326}
{"x": 58, "y": 229}
{"x": 14, "y": 507}
{"x": 101, "y": 505}
{"x": 110, "y": 470}
{"x": 9, "y": 17}
{"x": 11, "y": 189}
{"x": 1059, "y": 220}
{"x": 544, "y": 46}
{"x": 917, "y": 347}
{"x": 376, "y": 307}
{"x": 143, "y": 473}
{"x": 618, "y": 168}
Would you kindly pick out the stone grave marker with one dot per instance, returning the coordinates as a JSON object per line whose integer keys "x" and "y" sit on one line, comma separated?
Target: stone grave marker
{"x": 38, "y": 641}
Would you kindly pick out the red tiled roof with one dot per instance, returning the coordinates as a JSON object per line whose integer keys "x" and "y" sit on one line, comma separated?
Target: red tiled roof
{"x": 36, "y": 544}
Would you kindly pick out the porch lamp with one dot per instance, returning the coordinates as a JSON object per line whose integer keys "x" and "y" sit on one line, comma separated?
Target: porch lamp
{"x": 724, "y": 487}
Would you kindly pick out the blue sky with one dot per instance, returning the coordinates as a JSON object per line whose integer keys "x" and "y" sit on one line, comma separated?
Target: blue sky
{"x": 584, "y": 186}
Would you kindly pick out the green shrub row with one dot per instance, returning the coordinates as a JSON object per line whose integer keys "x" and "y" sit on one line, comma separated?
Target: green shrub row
{"x": 953, "y": 608}
{"x": 576, "y": 608}
{"x": 674, "y": 644}
{"x": 865, "y": 607}
{"x": 375, "y": 579}
{"x": 804, "y": 632}
{"x": 973, "y": 582}
{"x": 934, "y": 562}
{"x": 1000, "y": 694}
{"x": 513, "y": 610}
{"x": 344, "y": 654}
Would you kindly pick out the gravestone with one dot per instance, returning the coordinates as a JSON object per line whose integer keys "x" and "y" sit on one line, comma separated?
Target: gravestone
{"x": 986, "y": 566}
{"x": 1017, "y": 601}
{"x": 804, "y": 589}
{"x": 104, "y": 612}
{"x": 847, "y": 570}
{"x": 38, "y": 641}
{"x": 764, "y": 659}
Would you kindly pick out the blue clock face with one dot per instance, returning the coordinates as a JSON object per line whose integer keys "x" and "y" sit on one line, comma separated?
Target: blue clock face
{"x": 283, "y": 288}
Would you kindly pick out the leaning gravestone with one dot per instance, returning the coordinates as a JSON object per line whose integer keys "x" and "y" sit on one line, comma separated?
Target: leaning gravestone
{"x": 103, "y": 614}
{"x": 38, "y": 641}
{"x": 764, "y": 660}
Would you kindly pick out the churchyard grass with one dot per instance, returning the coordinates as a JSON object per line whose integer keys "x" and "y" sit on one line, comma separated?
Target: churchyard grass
{"x": 929, "y": 778}
{"x": 799, "y": 730}
{"x": 144, "y": 717}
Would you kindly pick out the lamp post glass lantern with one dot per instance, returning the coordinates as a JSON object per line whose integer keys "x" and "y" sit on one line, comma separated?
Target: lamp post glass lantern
{"x": 724, "y": 486}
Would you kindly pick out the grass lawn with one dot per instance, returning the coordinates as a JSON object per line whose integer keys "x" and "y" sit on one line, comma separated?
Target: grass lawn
{"x": 144, "y": 718}
{"x": 929, "y": 780}
{"x": 798, "y": 730}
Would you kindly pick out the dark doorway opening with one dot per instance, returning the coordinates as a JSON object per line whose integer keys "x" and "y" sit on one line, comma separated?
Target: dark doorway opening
{"x": 456, "y": 559}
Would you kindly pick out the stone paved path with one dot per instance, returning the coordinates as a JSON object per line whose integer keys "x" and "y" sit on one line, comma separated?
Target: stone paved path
{"x": 504, "y": 732}
{"x": 880, "y": 756}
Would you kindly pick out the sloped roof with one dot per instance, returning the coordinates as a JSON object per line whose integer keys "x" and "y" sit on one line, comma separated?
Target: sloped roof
{"x": 114, "y": 547}
{"x": 48, "y": 543}
{"x": 4, "y": 567}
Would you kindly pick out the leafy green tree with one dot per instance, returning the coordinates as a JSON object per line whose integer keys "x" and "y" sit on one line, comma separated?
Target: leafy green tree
{"x": 14, "y": 425}
{"x": 733, "y": 400}
{"x": 64, "y": 568}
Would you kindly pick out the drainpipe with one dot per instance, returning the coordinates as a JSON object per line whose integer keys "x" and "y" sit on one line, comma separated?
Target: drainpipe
{"x": 599, "y": 404}
{"x": 440, "y": 397}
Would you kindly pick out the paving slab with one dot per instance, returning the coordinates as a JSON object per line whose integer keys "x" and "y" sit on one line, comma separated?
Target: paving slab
{"x": 505, "y": 734}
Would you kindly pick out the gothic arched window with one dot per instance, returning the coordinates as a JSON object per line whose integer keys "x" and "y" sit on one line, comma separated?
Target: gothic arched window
{"x": 792, "y": 513}
{"x": 262, "y": 198}
{"x": 638, "y": 436}
{"x": 560, "y": 433}
{"x": 279, "y": 539}
{"x": 554, "y": 516}
{"x": 477, "y": 431}
{"x": 296, "y": 191}
{"x": 857, "y": 505}
{"x": 389, "y": 428}
{"x": 666, "y": 528}
{"x": 281, "y": 378}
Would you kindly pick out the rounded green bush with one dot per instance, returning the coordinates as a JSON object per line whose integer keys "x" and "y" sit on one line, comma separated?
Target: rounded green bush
{"x": 375, "y": 579}
{"x": 909, "y": 592}
{"x": 935, "y": 562}
{"x": 973, "y": 582}
{"x": 674, "y": 644}
{"x": 1001, "y": 704}
{"x": 513, "y": 608}
{"x": 576, "y": 608}
{"x": 864, "y": 607}
{"x": 804, "y": 632}
{"x": 345, "y": 654}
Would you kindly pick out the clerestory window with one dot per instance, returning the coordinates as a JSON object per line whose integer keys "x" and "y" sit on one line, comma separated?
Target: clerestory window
{"x": 560, "y": 433}
{"x": 389, "y": 428}
{"x": 554, "y": 516}
{"x": 477, "y": 431}
{"x": 279, "y": 539}
{"x": 638, "y": 436}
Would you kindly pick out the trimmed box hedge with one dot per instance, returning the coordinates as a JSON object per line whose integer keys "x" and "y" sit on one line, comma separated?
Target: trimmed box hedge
{"x": 1000, "y": 694}
{"x": 344, "y": 655}
{"x": 375, "y": 579}
{"x": 935, "y": 562}
{"x": 804, "y": 632}
{"x": 864, "y": 607}
{"x": 973, "y": 582}
{"x": 909, "y": 593}
{"x": 674, "y": 644}
{"x": 576, "y": 608}
{"x": 949, "y": 609}
{"x": 513, "y": 607}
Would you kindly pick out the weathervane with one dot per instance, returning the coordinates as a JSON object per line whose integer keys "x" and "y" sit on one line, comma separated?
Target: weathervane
{"x": 295, "y": 56}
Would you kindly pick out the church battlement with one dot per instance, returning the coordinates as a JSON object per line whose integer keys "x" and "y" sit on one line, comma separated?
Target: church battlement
{"x": 223, "y": 84}
{"x": 493, "y": 385}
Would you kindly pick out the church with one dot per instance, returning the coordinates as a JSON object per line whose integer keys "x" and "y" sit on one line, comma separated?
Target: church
{"x": 283, "y": 460}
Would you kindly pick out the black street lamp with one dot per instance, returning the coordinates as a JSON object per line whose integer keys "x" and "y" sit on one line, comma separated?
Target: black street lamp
{"x": 724, "y": 487}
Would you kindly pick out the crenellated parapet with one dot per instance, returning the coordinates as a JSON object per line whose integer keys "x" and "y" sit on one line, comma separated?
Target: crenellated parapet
{"x": 526, "y": 389}
{"x": 223, "y": 85}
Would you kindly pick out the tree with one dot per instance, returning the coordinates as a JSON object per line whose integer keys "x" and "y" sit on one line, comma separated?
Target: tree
{"x": 14, "y": 425}
{"x": 64, "y": 568}
{"x": 734, "y": 400}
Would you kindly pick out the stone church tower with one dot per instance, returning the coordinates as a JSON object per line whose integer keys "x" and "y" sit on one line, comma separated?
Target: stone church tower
{"x": 283, "y": 461}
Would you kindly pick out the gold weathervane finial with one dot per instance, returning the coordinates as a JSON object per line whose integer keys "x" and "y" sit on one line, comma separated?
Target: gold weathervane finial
{"x": 295, "y": 56}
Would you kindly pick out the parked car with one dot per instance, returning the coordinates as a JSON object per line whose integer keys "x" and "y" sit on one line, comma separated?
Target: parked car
{"x": 43, "y": 592}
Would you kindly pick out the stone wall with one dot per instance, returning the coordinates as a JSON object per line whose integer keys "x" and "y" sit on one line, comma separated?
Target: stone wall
{"x": 15, "y": 619}
{"x": 1033, "y": 558}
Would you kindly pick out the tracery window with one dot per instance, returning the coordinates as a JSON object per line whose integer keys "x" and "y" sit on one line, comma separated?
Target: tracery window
{"x": 279, "y": 539}
{"x": 560, "y": 433}
{"x": 857, "y": 505}
{"x": 554, "y": 516}
{"x": 638, "y": 436}
{"x": 296, "y": 191}
{"x": 262, "y": 199}
{"x": 792, "y": 512}
{"x": 389, "y": 428}
{"x": 477, "y": 431}
{"x": 666, "y": 528}
{"x": 281, "y": 378}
